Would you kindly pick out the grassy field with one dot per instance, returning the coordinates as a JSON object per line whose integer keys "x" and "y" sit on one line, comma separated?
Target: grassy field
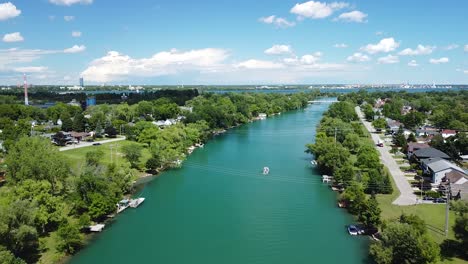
{"x": 76, "y": 157}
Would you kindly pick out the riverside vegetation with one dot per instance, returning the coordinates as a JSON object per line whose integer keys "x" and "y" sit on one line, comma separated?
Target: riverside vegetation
{"x": 343, "y": 150}
{"x": 47, "y": 203}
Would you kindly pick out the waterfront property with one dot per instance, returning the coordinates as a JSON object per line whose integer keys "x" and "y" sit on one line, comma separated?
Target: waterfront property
{"x": 436, "y": 168}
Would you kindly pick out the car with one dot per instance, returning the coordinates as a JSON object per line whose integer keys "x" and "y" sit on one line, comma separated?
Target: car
{"x": 97, "y": 144}
{"x": 428, "y": 198}
{"x": 440, "y": 200}
{"x": 353, "y": 230}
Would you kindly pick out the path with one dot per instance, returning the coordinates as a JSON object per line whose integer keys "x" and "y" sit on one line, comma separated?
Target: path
{"x": 87, "y": 144}
{"x": 407, "y": 197}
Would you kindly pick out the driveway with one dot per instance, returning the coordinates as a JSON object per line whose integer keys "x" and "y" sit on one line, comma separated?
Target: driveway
{"x": 87, "y": 144}
{"x": 407, "y": 197}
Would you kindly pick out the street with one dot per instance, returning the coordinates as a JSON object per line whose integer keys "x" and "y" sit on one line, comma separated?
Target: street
{"x": 83, "y": 144}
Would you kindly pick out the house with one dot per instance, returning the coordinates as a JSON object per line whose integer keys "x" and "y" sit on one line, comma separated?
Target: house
{"x": 458, "y": 184}
{"x": 379, "y": 103}
{"x": 393, "y": 125}
{"x": 406, "y": 109}
{"x": 436, "y": 168}
{"x": 448, "y": 133}
{"x": 426, "y": 132}
{"x": 79, "y": 136}
{"x": 429, "y": 153}
{"x": 412, "y": 147}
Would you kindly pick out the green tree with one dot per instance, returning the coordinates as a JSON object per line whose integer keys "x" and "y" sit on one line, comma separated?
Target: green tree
{"x": 461, "y": 232}
{"x": 94, "y": 157}
{"x": 379, "y": 123}
{"x": 79, "y": 122}
{"x": 6, "y": 257}
{"x": 344, "y": 175}
{"x": 400, "y": 139}
{"x": 132, "y": 153}
{"x": 370, "y": 215}
{"x": 355, "y": 197}
{"x": 352, "y": 142}
{"x": 69, "y": 238}
{"x": 415, "y": 221}
{"x": 412, "y": 138}
{"x": 35, "y": 158}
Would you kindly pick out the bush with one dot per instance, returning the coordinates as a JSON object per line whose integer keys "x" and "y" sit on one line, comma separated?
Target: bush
{"x": 433, "y": 194}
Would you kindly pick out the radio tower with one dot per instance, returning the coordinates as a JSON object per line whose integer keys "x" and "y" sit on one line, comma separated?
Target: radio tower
{"x": 25, "y": 85}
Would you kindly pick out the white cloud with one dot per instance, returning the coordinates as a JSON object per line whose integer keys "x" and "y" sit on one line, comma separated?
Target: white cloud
{"x": 117, "y": 66}
{"x": 358, "y": 57}
{"x": 420, "y": 50}
{"x": 389, "y": 59}
{"x": 340, "y": 46}
{"x": 466, "y": 48}
{"x": 277, "y": 21}
{"x": 13, "y": 37}
{"x": 439, "y": 61}
{"x": 31, "y": 69}
{"x": 68, "y": 18}
{"x": 310, "y": 59}
{"x": 384, "y": 45}
{"x": 70, "y": 2}
{"x": 76, "y": 34}
{"x": 451, "y": 47}
{"x": 317, "y": 10}
{"x": 279, "y": 50}
{"x": 353, "y": 16}
{"x": 379, "y": 33}
{"x": 8, "y": 10}
{"x": 75, "y": 49}
{"x": 15, "y": 55}
{"x": 259, "y": 64}
{"x": 413, "y": 63}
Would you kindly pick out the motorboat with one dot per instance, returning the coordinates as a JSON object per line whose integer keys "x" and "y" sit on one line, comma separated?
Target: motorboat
{"x": 134, "y": 203}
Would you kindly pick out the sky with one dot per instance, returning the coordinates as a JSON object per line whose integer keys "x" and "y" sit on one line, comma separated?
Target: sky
{"x": 233, "y": 42}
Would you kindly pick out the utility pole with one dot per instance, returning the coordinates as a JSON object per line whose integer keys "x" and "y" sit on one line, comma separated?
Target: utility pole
{"x": 447, "y": 207}
{"x": 335, "y": 135}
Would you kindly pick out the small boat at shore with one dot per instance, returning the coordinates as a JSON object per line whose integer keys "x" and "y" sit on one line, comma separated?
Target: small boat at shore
{"x": 134, "y": 203}
{"x": 266, "y": 170}
{"x": 122, "y": 205}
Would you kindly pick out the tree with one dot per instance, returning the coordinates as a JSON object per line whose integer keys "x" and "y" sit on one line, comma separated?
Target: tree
{"x": 344, "y": 175}
{"x": 402, "y": 243}
{"x": 132, "y": 153}
{"x": 415, "y": 221}
{"x": 355, "y": 197}
{"x": 412, "y": 138}
{"x": 370, "y": 216}
{"x": 69, "y": 238}
{"x": 153, "y": 163}
{"x": 352, "y": 142}
{"x": 100, "y": 206}
{"x": 94, "y": 157}
{"x": 35, "y": 158}
{"x": 461, "y": 232}
{"x": 400, "y": 139}
{"x": 379, "y": 123}
{"x": 6, "y": 257}
{"x": 111, "y": 131}
{"x": 79, "y": 123}
{"x": 67, "y": 122}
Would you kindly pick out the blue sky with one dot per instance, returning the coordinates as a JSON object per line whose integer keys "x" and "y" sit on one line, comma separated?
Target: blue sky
{"x": 233, "y": 42}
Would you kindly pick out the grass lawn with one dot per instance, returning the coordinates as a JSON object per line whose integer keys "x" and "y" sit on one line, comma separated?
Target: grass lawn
{"x": 77, "y": 156}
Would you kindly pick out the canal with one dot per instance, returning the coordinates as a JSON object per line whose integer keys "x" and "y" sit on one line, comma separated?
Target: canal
{"x": 220, "y": 208}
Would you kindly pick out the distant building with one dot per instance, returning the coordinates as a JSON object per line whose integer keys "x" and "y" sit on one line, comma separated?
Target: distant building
{"x": 81, "y": 82}
{"x": 90, "y": 101}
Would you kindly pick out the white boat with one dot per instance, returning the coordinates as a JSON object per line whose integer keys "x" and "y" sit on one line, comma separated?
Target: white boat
{"x": 122, "y": 205}
{"x": 134, "y": 203}
{"x": 266, "y": 170}
{"x": 96, "y": 228}
{"x": 313, "y": 162}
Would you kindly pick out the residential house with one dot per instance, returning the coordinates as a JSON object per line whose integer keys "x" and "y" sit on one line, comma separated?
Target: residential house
{"x": 429, "y": 153}
{"x": 426, "y": 132}
{"x": 412, "y": 147}
{"x": 448, "y": 133}
{"x": 458, "y": 184}
{"x": 79, "y": 136}
{"x": 406, "y": 109}
{"x": 393, "y": 125}
{"x": 379, "y": 103}
{"x": 436, "y": 168}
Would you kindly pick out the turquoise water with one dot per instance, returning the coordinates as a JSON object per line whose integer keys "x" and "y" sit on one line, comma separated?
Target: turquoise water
{"x": 220, "y": 208}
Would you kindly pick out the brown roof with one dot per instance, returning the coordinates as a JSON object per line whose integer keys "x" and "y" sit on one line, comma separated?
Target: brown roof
{"x": 79, "y": 134}
{"x": 412, "y": 146}
{"x": 454, "y": 176}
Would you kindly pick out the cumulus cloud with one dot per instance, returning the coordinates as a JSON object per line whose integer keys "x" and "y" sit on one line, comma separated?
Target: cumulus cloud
{"x": 451, "y": 47}
{"x": 75, "y": 49}
{"x": 68, "y": 18}
{"x": 413, "y": 63}
{"x": 389, "y": 59}
{"x": 353, "y": 16}
{"x": 317, "y": 10}
{"x": 439, "y": 61}
{"x": 259, "y": 64}
{"x": 13, "y": 37}
{"x": 277, "y": 21}
{"x": 279, "y": 50}
{"x": 420, "y": 50}
{"x": 8, "y": 10}
{"x": 76, "y": 34}
{"x": 31, "y": 69}
{"x": 117, "y": 66}
{"x": 384, "y": 45}
{"x": 71, "y": 2}
{"x": 358, "y": 57}
{"x": 340, "y": 45}
{"x": 16, "y": 55}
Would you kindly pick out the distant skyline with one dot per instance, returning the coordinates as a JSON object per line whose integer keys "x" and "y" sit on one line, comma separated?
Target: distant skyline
{"x": 233, "y": 42}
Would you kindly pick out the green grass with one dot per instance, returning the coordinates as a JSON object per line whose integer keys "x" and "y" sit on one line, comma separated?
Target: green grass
{"x": 77, "y": 156}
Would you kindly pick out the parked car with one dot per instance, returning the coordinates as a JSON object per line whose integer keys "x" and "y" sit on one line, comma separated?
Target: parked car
{"x": 97, "y": 144}
{"x": 353, "y": 230}
{"x": 440, "y": 200}
{"x": 428, "y": 198}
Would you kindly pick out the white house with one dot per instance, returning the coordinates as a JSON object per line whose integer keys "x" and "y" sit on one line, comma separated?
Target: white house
{"x": 437, "y": 168}
{"x": 448, "y": 133}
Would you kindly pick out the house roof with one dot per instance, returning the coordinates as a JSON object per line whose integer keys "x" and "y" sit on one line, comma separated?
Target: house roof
{"x": 438, "y": 164}
{"x": 412, "y": 146}
{"x": 454, "y": 176}
{"x": 393, "y": 123}
{"x": 430, "y": 153}
{"x": 449, "y": 131}
{"x": 79, "y": 134}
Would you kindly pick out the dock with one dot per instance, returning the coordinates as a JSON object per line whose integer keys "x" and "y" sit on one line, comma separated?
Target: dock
{"x": 97, "y": 227}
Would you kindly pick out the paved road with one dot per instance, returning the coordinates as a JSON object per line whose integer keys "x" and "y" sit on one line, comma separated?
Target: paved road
{"x": 407, "y": 197}
{"x": 87, "y": 144}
